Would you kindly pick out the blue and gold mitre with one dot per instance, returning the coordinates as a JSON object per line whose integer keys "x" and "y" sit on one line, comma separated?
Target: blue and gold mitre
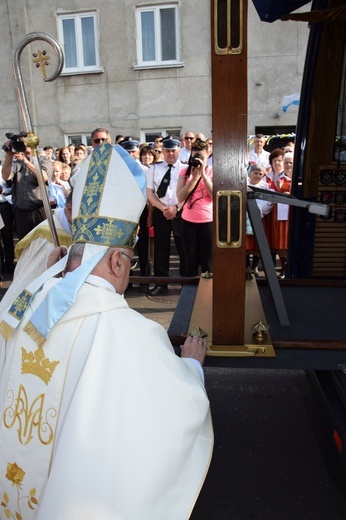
{"x": 108, "y": 198}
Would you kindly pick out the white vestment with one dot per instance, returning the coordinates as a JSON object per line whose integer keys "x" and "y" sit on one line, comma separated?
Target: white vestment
{"x": 133, "y": 434}
{"x": 32, "y": 253}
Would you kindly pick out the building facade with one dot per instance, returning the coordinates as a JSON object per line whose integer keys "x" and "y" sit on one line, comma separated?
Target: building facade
{"x": 138, "y": 68}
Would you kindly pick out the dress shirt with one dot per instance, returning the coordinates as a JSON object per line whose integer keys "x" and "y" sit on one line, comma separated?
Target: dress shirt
{"x": 262, "y": 159}
{"x": 184, "y": 155}
{"x": 155, "y": 175}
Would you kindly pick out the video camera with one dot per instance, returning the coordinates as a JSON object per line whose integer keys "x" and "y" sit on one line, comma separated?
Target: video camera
{"x": 17, "y": 145}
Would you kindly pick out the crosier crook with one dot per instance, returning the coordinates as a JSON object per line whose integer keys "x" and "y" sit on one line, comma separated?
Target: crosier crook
{"x": 32, "y": 140}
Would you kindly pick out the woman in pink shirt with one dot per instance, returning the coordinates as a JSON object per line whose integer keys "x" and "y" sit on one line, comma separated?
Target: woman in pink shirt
{"x": 195, "y": 194}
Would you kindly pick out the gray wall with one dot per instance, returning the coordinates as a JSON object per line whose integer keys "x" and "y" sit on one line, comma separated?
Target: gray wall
{"x": 126, "y": 100}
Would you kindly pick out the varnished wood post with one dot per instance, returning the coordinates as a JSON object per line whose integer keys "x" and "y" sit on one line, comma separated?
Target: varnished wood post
{"x": 229, "y": 123}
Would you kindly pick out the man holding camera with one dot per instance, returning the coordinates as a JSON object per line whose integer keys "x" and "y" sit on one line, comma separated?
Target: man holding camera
{"x": 162, "y": 181}
{"x": 26, "y": 194}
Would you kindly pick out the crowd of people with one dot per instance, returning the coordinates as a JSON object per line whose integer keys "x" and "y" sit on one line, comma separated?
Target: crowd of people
{"x": 179, "y": 173}
{"x": 270, "y": 171}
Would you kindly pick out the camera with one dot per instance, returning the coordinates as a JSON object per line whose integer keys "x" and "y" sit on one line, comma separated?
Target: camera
{"x": 195, "y": 163}
{"x": 17, "y": 145}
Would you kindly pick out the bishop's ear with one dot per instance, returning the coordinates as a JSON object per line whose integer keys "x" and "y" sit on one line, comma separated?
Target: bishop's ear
{"x": 116, "y": 263}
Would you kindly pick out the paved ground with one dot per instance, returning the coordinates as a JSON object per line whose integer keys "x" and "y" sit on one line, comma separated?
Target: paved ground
{"x": 273, "y": 458}
{"x": 159, "y": 309}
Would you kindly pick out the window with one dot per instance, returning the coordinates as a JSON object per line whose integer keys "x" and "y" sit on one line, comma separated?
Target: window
{"x": 148, "y": 136}
{"x": 279, "y": 135}
{"x": 77, "y": 139}
{"x": 158, "y": 36}
{"x": 79, "y": 38}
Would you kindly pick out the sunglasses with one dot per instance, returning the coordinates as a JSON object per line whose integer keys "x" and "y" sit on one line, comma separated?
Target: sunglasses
{"x": 199, "y": 145}
{"x": 189, "y": 138}
{"x": 133, "y": 262}
{"x": 158, "y": 151}
{"x": 101, "y": 140}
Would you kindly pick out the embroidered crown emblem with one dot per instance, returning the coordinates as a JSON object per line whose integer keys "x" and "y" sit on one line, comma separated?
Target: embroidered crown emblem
{"x": 37, "y": 364}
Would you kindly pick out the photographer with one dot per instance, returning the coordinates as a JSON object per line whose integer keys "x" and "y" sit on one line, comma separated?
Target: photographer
{"x": 26, "y": 194}
{"x": 195, "y": 191}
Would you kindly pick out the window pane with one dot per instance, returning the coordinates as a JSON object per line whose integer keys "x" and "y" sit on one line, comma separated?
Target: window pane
{"x": 88, "y": 37}
{"x": 75, "y": 139}
{"x": 168, "y": 40}
{"x": 69, "y": 33}
{"x": 148, "y": 35}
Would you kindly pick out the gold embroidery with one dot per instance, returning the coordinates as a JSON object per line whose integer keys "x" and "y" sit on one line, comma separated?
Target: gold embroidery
{"x": 93, "y": 189}
{"x": 45, "y": 233}
{"x": 37, "y": 364}
{"x": 16, "y": 475}
{"x": 20, "y": 304}
{"x": 34, "y": 334}
{"x": 30, "y": 417}
{"x": 5, "y": 330}
{"x": 109, "y": 231}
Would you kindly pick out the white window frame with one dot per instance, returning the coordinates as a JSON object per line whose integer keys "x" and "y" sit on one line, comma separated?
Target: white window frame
{"x": 84, "y": 138}
{"x": 161, "y": 131}
{"x": 158, "y": 62}
{"x": 77, "y": 17}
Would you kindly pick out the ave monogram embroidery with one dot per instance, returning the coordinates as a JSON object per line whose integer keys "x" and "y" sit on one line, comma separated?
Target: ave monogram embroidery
{"x": 29, "y": 417}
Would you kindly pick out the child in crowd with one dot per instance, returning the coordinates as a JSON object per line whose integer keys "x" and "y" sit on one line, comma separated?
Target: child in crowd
{"x": 65, "y": 176}
{"x": 59, "y": 188}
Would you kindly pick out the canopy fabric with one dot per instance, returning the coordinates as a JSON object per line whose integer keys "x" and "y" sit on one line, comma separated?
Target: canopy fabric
{"x": 271, "y": 10}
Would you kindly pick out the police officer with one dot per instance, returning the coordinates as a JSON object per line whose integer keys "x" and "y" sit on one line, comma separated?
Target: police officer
{"x": 162, "y": 181}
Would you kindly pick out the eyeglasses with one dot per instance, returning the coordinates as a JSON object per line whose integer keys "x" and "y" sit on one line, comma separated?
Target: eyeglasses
{"x": 199, "y": 145}
{"x": 189, "y": 138}
{"x": 98, "y": 141}
{"x": 133, "y": 262}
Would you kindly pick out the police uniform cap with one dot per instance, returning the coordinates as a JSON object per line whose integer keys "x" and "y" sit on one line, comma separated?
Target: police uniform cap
{"x": 130, "y": 144}
{"x": 170, "y": 142}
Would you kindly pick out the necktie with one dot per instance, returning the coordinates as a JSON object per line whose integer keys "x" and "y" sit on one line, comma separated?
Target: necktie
{"x": 162, "y": 189}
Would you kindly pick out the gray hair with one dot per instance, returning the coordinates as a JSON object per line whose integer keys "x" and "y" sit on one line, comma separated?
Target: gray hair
{"x": 76, "y": 251}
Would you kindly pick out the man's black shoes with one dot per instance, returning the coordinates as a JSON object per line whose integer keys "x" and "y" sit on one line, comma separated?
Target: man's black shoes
{"x": 158, "y": 290}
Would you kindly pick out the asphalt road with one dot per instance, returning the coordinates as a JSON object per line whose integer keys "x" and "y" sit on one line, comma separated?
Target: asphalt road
{"x": 273, "y": 458}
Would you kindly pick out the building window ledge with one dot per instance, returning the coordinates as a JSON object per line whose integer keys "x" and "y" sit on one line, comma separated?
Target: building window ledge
{"x": 159, "y": 66}
{"x": 79, "y": 72}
